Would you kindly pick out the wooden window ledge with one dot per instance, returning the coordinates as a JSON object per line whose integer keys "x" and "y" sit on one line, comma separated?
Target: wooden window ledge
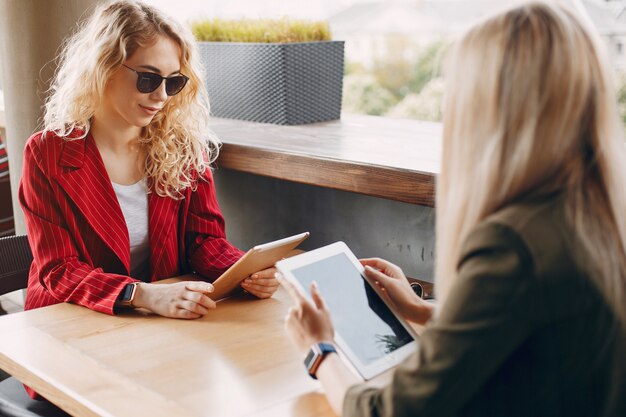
{"x": 381, "y": 157}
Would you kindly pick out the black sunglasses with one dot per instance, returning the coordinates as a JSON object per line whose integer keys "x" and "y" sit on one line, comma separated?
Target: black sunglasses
{"x": 147, "y": 82}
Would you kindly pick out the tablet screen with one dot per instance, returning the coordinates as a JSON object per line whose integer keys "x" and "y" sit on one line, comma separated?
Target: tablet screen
{"x": 350, "y": 300}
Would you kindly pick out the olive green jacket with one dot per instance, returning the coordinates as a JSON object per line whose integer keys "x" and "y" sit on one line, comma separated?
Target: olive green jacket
{"x": 523, "y": 333}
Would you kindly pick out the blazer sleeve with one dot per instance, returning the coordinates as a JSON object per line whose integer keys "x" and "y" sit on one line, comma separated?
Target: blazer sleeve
{"x": 483, "y": 321}
{"x": 57, "y": 263}
{"x": 208, "y": 251}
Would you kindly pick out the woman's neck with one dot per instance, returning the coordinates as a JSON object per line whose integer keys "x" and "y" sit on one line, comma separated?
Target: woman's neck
{"x": 121, "y": 152}
{"x": 115, "y": 139}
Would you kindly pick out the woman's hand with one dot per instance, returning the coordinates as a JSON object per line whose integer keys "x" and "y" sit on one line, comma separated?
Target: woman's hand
{"x": 182, "y": 300}
{"x": 391, "y": 281}
{"x": 262, "y": 284}
{"x": 307, "y": 323}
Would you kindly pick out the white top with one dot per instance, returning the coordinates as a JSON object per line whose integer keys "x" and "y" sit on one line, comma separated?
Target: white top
{"x": 133, "y": 200}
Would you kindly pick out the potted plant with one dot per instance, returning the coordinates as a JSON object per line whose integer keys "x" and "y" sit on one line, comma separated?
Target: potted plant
{"x": 271, "y": 71}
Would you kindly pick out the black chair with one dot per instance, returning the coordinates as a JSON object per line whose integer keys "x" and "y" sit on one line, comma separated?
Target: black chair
{"x": 15, "y": 260}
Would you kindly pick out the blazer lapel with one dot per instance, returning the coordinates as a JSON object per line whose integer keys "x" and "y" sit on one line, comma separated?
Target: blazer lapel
{"x": 86, "y": 182}
{"x": 163, "y": 217}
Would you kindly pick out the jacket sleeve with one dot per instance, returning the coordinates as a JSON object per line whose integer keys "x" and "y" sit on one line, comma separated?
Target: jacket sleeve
{"x": 57, "y": 263}
{"x": 483, "y": 321}
{"x": 208, "y": 251}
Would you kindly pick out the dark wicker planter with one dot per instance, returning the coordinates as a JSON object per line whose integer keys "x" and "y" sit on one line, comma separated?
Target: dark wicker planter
{"x": 287, "y": 84}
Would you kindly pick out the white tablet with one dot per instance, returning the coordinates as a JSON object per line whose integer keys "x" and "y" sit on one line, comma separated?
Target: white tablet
{"x": 367, "y": 330}
{"x": 256, "y": 259}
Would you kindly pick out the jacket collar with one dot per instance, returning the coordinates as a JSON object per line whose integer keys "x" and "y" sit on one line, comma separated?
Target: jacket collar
{"x": 73, "y": 152}
{"x": 163, "y": 214}
{"x": 86, "y": 182}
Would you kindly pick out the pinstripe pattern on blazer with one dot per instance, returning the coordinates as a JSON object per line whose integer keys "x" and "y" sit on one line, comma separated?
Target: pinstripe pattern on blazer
{"x": 79, "y": 237}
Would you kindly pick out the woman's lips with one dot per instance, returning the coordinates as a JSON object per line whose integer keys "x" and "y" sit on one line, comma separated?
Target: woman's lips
{"x": 150, "y": 110}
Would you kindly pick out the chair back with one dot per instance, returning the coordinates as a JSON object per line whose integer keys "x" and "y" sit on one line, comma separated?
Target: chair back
{"x": 15, "y": 260}
{"x": 7, "y": 226}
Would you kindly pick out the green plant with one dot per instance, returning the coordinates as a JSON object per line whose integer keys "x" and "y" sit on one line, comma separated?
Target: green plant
{"x": 390, "y": 342}
{"x": 394, "y": 75}
{"x": 363, "y": 95}
{"x": 260, "y": 30}
{"x": 352, "y": 68}
{"x": 423, "y": 106}
{"x": 428, "y": 65}
{"x": 393, "y": 66}
{"x": 621, "y": 94}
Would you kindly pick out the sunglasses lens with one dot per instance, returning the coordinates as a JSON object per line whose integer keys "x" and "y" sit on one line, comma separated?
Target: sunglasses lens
{"x": 174, "y": 85}
{"x": 147, "y": 82}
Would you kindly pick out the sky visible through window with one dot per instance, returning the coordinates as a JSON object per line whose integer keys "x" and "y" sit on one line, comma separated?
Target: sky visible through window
{"x": 185, "y": 10}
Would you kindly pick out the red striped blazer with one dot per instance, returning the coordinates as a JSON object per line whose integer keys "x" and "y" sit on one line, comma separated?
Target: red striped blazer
{"x": 79, "y": 237}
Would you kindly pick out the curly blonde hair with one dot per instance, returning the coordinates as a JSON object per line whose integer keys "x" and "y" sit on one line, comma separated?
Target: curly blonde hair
{"x": 178, "y": 143}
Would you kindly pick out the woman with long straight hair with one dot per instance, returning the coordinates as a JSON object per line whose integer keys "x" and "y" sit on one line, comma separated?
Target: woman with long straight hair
{"x": 531, "y": 238}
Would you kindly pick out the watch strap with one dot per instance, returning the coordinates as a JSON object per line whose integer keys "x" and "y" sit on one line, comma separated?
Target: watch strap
{"x": 316, "y": 355}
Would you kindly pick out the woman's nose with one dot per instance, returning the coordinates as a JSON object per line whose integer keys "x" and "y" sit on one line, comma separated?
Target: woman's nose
{"x": 159, "y": 94}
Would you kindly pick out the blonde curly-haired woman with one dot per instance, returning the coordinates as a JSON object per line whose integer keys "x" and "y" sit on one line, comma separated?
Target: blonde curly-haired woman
{"x": 531, "y": 239}
{"x": 117, "y": 189}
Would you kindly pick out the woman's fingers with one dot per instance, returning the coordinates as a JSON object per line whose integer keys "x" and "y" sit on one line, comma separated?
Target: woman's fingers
{"x": 182, "y": 313}
{"x": 374, "y": 262}
{"x": 260, "y": 287}
{"x": 262, "y": 282}
{"x": 199, "y": 299}
{"x": 193, "y": 307}
{"x": 385, "y": 266}
{"x": 317, "y": 297}
{"x": 185, "y": 300}
{"x": 293, "y": 292}
{"x": 199, "y": 286}
{"x": 375, "y": 274}
{"x": 266, "y": 273}
{"x": 194, "y": 298}
{"x": 198, "y": 295}
{"x": 259, "y": 293}
{"x": 377, "y": 263}
{"x": 293, "y": 313}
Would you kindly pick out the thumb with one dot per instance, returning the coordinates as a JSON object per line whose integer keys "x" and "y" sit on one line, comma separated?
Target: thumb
{"x": 317, "y": 296}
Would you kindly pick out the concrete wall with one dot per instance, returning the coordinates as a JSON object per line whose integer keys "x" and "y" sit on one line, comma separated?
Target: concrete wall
{"x": 259, "y": 209}
{"x": 30, "y": 34}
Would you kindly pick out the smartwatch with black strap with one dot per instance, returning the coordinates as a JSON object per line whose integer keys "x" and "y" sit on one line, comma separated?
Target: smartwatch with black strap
{"x": 126, "y": 297}
{"x": 316, "y": 355}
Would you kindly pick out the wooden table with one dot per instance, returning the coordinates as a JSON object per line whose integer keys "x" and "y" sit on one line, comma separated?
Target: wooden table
{"x": 236, "y": 361}
{"x": 381, "y": 157}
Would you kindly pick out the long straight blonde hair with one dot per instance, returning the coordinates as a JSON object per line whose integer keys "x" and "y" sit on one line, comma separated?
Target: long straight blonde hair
{"x": 531, "y": 109}
{"x": 178, "y": 142}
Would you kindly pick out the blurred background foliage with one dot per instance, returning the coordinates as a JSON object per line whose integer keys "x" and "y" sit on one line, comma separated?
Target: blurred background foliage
{"x": 400, "y": 88}
{"x": 394, "y": 86}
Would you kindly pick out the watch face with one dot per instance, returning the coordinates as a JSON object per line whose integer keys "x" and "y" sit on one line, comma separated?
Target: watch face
{"x": 309, "y": 358}
{"x": 128, "y": 292}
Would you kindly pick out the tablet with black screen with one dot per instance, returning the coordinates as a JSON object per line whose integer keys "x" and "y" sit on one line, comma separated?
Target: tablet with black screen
{"x": 367, "y": 330}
